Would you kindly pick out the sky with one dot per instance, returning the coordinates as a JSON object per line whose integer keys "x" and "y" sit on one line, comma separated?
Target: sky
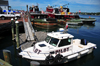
{"x": 74, "y": 5}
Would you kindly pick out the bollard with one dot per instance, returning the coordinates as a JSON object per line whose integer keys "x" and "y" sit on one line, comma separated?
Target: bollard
{"x": 15, "y": 18}
{"x": 34, "y": 63}
{"x": 12, "y": 28}
{"x": 7, "y": 56}
{"x": 17, "y": 34}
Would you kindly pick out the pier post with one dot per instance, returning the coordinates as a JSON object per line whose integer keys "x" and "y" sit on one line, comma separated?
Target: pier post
{"x": 7, "y": 56}
{"x": 27, "y": 9}
{"x": 12, "y": 28}
{"x": 17, "y": 41}
{"x": 34, "y": 63}
{"x": 17, "y": 33}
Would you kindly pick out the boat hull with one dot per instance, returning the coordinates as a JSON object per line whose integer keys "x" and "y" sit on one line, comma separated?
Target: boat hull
{"x": 45, "y": 22}
{"x": 65, "y": 59}
{"x": 88, "y": 20}
{"x": 70, "y": 22}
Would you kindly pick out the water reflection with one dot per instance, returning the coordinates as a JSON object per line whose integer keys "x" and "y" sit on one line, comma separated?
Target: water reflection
{"x": 71, "y": 26}
{"x": 89, "y": 25}
{"x": 5, "y": 43}
{"x": 50, "y": 29}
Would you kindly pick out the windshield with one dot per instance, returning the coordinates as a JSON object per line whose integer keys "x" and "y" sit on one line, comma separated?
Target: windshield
{"x": 54, "y": 41}
{"x": 47, "y": 39}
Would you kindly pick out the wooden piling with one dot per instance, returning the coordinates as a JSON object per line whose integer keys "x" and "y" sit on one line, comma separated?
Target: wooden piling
{"x": 27, "y": 9}
{"x": 17, "y": 34}
{"x": 34, "y": 63}
{"x": 12, "y": 28}
{"x": 7, "y": 56}
{"x": 15, "y": 51}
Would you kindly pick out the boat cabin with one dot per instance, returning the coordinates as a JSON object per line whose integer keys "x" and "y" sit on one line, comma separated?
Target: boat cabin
{"x": 66, "y": 10}
{"x": 55, "y": 42}
{"x": 34, "y": 9}
{"x": 59, "y": 39}
{"x": 49, "y": 9}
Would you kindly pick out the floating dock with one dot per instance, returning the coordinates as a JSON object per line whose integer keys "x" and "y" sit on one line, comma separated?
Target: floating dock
{"x": 40, "y": 35}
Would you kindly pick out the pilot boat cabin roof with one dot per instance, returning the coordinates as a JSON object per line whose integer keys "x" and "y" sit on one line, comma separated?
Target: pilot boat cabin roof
{"x": 60, "y": 35}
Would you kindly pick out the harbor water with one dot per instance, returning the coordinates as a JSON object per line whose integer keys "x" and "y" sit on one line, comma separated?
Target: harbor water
{"x": 90, "y": 32}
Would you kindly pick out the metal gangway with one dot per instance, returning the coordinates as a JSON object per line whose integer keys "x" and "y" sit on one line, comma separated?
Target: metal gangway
{"x": 29, "y": 31}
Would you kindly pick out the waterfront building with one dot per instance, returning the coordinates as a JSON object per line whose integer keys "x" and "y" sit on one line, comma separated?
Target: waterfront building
{"x": 4, "y": 4}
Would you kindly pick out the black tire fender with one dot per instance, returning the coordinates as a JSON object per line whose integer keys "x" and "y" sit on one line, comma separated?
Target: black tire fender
{"x": 49, "y": 60}
{"x": 58, "y": 58}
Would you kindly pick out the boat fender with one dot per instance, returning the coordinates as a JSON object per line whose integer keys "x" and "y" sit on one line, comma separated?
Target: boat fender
{"x": 49, "y": 59}
{"x": 58, "y": 58}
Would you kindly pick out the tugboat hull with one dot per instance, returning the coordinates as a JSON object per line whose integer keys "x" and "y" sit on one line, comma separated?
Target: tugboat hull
{"x": 45, "y": 22}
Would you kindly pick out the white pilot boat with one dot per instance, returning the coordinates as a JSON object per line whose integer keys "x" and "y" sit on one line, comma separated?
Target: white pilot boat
{"x": 58, "y": 47}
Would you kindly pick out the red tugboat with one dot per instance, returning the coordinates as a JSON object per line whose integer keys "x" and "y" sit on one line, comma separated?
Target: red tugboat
{"x": 39, "y": 18}
{"x": 59, "y": 13}
{"x": 51, "y": 14}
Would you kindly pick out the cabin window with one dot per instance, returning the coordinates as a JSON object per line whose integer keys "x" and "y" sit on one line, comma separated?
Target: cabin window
{"x": 65, "y": 42}
{"x": 47, "y": 39}
{"x": 54, "y": 41}
{"x": 31, "y": 8}
{"x": 56, "y": 11}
